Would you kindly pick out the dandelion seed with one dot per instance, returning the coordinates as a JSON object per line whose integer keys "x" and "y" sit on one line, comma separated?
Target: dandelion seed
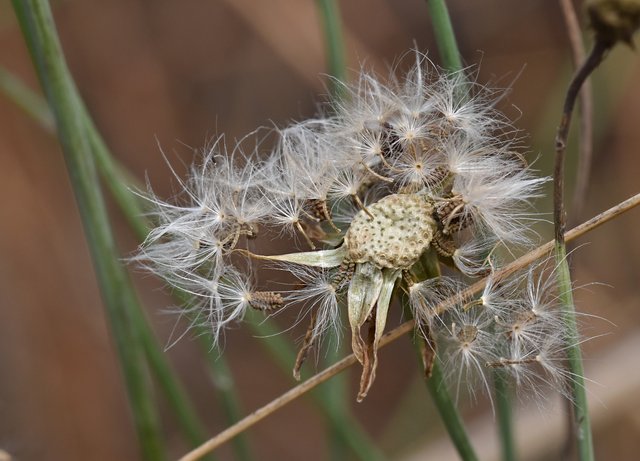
{"x": 421, "y": 167}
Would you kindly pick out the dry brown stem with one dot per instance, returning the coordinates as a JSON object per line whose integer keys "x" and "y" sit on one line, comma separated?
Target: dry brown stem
{"x": 401, "y": 330}
{"x": 593, "y": 60}
{"x": 585, "y": 144}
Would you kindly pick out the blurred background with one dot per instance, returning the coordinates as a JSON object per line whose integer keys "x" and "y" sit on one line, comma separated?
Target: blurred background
{"x": 175, "y": 74}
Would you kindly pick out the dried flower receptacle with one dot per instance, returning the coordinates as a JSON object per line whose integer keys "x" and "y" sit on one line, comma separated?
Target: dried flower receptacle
{"x": 422, "y": 166}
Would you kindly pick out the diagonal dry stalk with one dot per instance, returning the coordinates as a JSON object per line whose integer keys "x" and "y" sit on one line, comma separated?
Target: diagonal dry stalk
{"x": 401, "y": 330}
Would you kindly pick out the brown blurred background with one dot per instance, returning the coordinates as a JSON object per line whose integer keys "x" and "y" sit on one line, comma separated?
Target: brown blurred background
{"x": 179, "y": 72}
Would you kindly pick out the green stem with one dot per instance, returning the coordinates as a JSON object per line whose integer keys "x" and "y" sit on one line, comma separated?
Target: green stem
{"x": 117, "y": 179}
{"x": 335, "y": 391}
{"x": 448, "y": 413}
{"x": 335, "y": 394}
{"x": 35, "y": 106}
{"x": 342, "y": 422}
{"x": 38, "y": 28}
{"x": 224, "y": 383}
{"x": 452, "y": 61}
{"x": 120, "y": 183}
{"x": 332, "y": 26}
{"x": 437, "y": 387}
{"x": 582, "y": 422}
{"x": 428, "y": 267}
{"x": 504, "y": 413}
{"x": 445, "y": 38}
{"x": 173, "y": 390}
{"x": 583, "y": 433}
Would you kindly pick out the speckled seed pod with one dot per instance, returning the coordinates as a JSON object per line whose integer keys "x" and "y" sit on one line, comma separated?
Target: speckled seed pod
{"x": 393, "y": 232}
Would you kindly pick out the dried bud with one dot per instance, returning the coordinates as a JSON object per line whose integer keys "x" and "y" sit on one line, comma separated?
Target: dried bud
{"x": 614, "y": 20}
{"x": 266, "y": 301}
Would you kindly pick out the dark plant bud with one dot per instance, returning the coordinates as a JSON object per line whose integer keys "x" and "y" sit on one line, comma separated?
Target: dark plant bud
{"x": 614, "y": 20}
{"x": 266, "y": 301}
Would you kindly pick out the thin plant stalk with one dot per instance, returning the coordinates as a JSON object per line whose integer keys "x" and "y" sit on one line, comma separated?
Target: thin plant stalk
{"x": 451, "y": 419}
{"x": 585, "y": 144}
{"x": 223, "y": 380}
{"x": 582, "y": 420}
{"x": 36, "y": 22}
{"x": 582, "y": 430}
{"x": 120, "y": 185}
{"x": 448, "y": 413}
{"x": 279, "y": 349}
{"x": 335, "y": 391}
{"x": 578, "y": 420}
{"x": 428, "y": 268}
{"x": 343, "y": 424}
{"x": 27, "y": 100}
{"x": 593, "y": 60}
{"x": 502, "y": 397}
{"x": 445, "y": 37}
{"x": 452, "y": 62}
{"x": 334, "y": 41}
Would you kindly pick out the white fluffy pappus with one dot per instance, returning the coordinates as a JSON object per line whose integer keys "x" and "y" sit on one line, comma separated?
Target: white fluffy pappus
{"x": 428, "y": 151}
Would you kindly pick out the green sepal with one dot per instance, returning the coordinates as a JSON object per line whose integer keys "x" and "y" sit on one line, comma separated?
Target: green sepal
{"x": 321, "y": 258}
{"x": 364, "y": 291}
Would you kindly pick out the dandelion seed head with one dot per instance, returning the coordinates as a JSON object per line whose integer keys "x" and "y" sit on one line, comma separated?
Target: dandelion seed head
{"x": 397, "y": 173}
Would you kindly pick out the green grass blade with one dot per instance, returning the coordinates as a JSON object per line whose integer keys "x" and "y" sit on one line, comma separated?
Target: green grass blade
{"x": 335, "y": 391}
{"x": 175, "y": 394}
{"x": 429, "y": 267}
{"x": 224, "y": 383}
{"x": 117, "y": 179}
{"x": 342, "y": 422}
{"x": 583, "y": 433}
{"x": 120, "y": 183}
{"x": 437, "y": 387}
{"x": 448, "y": 413}
{"x": 33, "y": 104}
{"x": 334, "y": 41}
{"x": 504, "y": 414}
{"x": 37, "y": 25}
{"x": 452, "y": 61}
{"x": 582, "y": 429}
{"x": 445, "y": 38}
